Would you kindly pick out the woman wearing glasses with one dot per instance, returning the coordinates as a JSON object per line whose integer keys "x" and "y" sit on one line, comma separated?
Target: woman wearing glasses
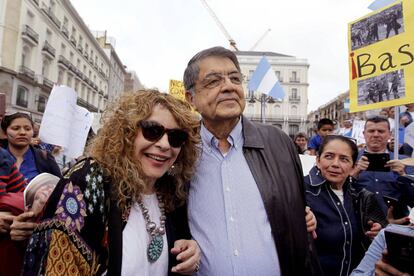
{"x": 347, "y": 218}
{"x": 122, "y": 211}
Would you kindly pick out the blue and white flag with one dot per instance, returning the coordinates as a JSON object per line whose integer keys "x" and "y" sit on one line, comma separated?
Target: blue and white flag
{"x": 378, "y": 4}
{"x": 264, "y": 80}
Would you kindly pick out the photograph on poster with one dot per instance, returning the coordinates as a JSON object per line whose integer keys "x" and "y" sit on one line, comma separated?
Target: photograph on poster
{"x": 380, "y": 26}
{"x": 385, "y": 87}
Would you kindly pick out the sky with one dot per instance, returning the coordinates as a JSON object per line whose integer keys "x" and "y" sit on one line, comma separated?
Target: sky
{"x": 157, "y": 38}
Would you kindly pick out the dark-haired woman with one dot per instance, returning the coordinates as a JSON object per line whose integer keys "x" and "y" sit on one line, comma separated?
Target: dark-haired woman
{"x": 30, "y": 161}
{"x": 347, "y": 218}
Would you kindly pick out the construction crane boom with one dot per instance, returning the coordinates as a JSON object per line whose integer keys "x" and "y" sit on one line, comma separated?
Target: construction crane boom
{"x": 220, "y": 25}
{"x": 260, "y": 39}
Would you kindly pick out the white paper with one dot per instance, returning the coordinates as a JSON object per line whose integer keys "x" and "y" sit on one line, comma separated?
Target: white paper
{"x": 409, "y": 135}
{"x": 64, "y": 123}
{"x": 358, "y": 131}
{"x": 308, "y": 161}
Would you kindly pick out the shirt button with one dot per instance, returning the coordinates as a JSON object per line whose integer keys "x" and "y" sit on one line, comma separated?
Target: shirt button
{"x": 377, "y": 192}
{"x": 346, "y": 223}
{"x": 376, "y": 180}
{"x": 236, "y": 252}
{"x": 231, "y": 219}
{"x": 228, "y": 189}
{"x": 339, "y": 203}
{"x": 347, "y": 242}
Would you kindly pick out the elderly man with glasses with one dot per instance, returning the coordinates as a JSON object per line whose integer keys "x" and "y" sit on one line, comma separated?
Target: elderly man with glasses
{"x": 246, "y": 201}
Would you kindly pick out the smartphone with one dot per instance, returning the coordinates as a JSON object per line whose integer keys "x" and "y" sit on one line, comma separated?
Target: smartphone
{"x": 400, "y": 210}
{"x": 400, "y": 246}
{"x": 377, "y": 161}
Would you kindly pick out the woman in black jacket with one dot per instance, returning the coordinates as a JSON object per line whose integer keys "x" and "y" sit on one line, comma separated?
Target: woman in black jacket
{"x": 31, "y": 161}
{"x": 347, "y": 218}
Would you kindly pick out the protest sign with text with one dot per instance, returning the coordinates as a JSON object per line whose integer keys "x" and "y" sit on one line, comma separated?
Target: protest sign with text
{"x": 381, "y": 58}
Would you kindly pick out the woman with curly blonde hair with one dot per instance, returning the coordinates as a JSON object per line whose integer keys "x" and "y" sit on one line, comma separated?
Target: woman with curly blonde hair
{"x": 122, "y": 211}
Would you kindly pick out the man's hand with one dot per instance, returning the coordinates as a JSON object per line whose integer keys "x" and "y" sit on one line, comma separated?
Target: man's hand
{"x": 310, "y": 222}
{"x": 22, "y": 226}
{"x": 5, "y": 222}
{"x": 392, "y": 220}
{"x": 396, "y": 166}
{"x": 361, "y": 165}
{"x": 188, "y": 254}
{"x": 383, "y": 268}
{"x": 374, "y": 230}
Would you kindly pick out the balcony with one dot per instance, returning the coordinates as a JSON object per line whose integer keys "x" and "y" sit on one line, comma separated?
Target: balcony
{"x": 29, "y": 35}
{"x": 49, "y": 50}
{"x": 48, "y": 11}
{"x": 64, "y": 61}
{"x": 65, "y": 32}
{"x": 294, "y": 80}
{"x": 48, "y": 83}
{"x": 36, "y": 2}
{"x": 80, "y": 48}
{"x": 73, "y": 40}
{"x": 27, "y": 72}
{"x": 294, "y": 99}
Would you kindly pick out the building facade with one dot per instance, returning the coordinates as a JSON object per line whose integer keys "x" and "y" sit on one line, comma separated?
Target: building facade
{"x": 116, "y": 70}
{"x": 290, "y": 113}
{"x": 43, "y": 42}
{"x": 132, "y": 82}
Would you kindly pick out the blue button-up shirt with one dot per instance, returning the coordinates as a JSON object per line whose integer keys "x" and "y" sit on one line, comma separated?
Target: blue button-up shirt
{"x": 28, "y": 167}
{"x": 227, "y": 215}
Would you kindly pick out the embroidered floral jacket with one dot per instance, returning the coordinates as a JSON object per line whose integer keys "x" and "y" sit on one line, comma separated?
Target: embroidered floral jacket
{"x": 81, "y": 228}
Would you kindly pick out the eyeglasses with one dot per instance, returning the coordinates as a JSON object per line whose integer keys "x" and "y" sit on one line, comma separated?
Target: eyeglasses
{"x": 215, "y": 79}
{"x": 153, "y": 131}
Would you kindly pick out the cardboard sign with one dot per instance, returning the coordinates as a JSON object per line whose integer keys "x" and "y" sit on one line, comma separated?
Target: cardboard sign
{"x": 381, "y": 58}
{"x": 176, "y": 89}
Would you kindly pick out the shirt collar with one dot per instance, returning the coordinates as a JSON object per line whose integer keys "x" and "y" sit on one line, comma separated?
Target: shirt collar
{"x": 235, "y": 137}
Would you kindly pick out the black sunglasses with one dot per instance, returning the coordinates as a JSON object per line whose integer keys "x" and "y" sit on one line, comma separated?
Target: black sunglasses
{"x": 153, "y": 131}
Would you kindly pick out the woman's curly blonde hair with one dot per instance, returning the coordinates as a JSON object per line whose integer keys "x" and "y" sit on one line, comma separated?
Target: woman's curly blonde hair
{"x": 113, "y": 147}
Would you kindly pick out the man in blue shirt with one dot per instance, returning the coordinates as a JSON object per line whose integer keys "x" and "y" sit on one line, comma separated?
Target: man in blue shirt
{"x": 246, "y": 201}
{"x": 377, "y": 134}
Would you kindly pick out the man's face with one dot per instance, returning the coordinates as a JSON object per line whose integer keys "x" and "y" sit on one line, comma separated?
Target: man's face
{"x": 215, "y": 100}
{"x": 376, "y": 136}
{"x": 325, "y": 130}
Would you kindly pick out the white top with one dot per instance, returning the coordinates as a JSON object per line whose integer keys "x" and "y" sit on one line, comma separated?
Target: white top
{"x": 339, "y": 194}
{"x": 135, "y": 240}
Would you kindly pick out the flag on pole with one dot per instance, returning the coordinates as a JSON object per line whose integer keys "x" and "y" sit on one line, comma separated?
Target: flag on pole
{"x": 378, "y": 4}
{"x": 264, "y": 80}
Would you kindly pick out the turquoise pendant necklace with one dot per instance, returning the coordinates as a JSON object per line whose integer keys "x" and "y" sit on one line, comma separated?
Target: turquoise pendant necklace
{"x": 156, "y": 243}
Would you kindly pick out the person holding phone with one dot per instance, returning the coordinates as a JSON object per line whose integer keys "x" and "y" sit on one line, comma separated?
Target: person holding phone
{"x": 380, "y": 181}
{"x": 347, "y": 218}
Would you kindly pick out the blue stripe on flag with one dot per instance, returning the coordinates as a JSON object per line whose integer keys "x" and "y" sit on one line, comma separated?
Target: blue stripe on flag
{"x": 378, "y": 4}
{"x": 277, "y": 91}
{"x": 258, "y": 75}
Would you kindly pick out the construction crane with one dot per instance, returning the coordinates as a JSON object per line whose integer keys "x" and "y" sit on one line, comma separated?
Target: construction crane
{"x": 220, "y": 25}
{"x": 260, "y": 39}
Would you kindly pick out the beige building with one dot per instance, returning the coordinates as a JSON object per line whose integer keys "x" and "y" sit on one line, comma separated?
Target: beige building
{"x": 116, "y": 70}
{"x": 290, "y": 113}
{"x": 43, "y": 42}
{"x": 132, "y": 82}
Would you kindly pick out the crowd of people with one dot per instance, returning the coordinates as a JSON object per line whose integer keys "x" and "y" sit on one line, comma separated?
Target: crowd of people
{"x": 161, "y": 192}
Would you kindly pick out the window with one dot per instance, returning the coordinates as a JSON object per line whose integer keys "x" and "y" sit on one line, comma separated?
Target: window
{"x": 60, "y": 77}
{"x": 41, "y": 103}
{"x": 293, "y": 130}
{"x": 69, "y": 80}
{"x": 48, "y": 36}
{"x": 294, "y": 75}
{"x": 65, "y": 22}
{"x": 71, "y": 55}
{"x": 45, "y": 68}
{"x": 26, "y": 53}
{"x": 294, "y": 110}
{"x": 294, "y": 93}
{"x": 30, "y": 19}
{"x": 22, "y": 96}
{"x": 63, "y": 49}
{"x": 277, "y": 73}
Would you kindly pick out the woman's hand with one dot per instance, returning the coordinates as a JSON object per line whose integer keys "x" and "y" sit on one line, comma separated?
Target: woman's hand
{"x": 374, "y": 230}
{"x": 188, "y": 254}
{"x": 22, "y": 226}
{"x": 310, "y": 221}
{"x": 5, "y": 222}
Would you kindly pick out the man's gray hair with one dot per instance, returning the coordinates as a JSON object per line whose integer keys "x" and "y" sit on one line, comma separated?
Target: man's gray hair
{"x": 193, "y": 69}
